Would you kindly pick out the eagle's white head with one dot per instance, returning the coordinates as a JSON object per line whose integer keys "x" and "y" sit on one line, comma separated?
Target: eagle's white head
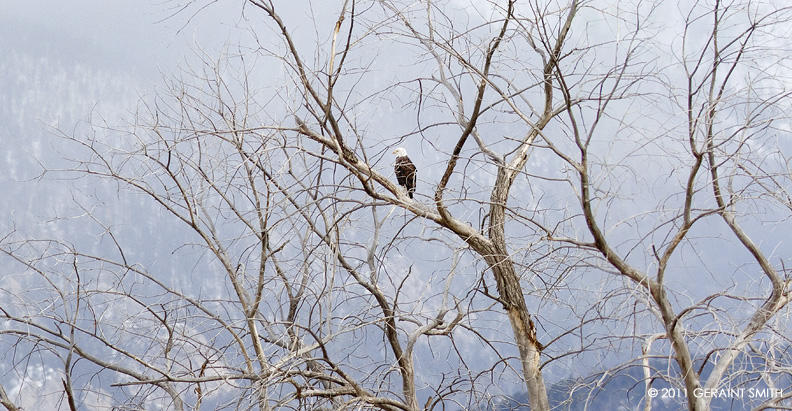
{"x": 400, "y": 152}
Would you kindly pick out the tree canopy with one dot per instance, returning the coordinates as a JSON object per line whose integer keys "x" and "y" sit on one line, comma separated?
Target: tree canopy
{"x": 603, "y": 195}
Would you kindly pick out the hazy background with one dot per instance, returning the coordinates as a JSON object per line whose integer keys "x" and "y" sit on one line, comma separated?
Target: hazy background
{"x": 67, "y": 68}
{"x": 70, "y": 68}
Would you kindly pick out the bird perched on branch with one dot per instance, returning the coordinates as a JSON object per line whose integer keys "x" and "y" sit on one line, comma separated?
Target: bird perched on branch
{"x": 405, "y": 171}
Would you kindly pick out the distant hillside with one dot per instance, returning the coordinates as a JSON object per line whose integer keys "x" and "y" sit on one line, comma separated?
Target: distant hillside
{"x": 625, "y": 391}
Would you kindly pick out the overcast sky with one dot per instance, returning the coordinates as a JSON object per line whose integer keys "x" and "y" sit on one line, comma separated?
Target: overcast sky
{"x": 60, "y": 59}
{"x": 67, "y": 64}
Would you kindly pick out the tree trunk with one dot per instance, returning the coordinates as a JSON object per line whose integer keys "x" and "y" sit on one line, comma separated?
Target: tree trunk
{"x": 511, "y": 295}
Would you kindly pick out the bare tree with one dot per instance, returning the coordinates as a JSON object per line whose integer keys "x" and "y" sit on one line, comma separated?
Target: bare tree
{"x": 711, "y": 149}
{"x": 588, "y": 162}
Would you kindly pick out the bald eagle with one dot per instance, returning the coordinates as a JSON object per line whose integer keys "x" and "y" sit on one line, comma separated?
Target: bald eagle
{"x": 405, "y": 171}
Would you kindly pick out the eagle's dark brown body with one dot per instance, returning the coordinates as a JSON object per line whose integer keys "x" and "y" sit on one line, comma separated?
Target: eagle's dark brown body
{"x": 406, "y": 173}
